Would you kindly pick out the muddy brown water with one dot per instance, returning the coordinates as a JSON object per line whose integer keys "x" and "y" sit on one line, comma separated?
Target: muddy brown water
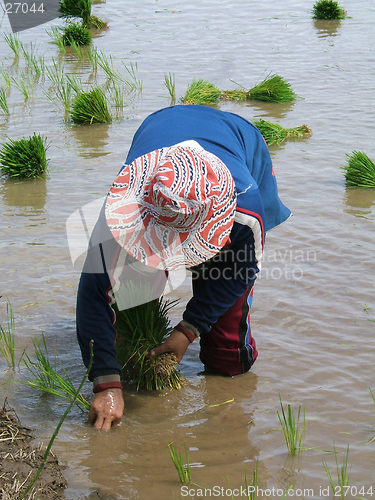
{"x": 314, "y": 311}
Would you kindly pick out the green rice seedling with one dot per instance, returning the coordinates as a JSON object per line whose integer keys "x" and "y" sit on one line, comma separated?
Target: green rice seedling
{"x": 201, "y": 92}
{"x": 14, "y": 43}
{"x": 7, "y": 336}
{"x": 37, "y": 65}
{"x": 56, "y": 36}
{"x": 183, "y": 470}
{"x": 90, "y": 107}
{"x": 274, "y": 133}
{"x": 328, "y": 9}
{"x": 343, "y": 475}
{"x": 293, "y": 430}
{"x": 114, "y": 77}
{"x": 25, "y": 85}
{"x": 75, "y": 82}
{"x": 92, "y": 55}
{"x": 63, "y": 93}
{"x": 76, "y": 34}
{"x": 6, "y": 78}
{"x": 372, "y": 395}
{"x": 3, "y": 102}
{"x": 272, "y": 89}
{"x": 74, "y": 399}
{"x": 118, "y": 97}
{"x": 135, "y": 84}
{"x": 55, "y": 73}
{"x": 169, "y": 82}
{"x": 24, "y": 158}
{"x": 359, "y": 171}
{"x": 78, "y": 50}
{"x": 47, "y": 379}
{"x": 139, "y": 330}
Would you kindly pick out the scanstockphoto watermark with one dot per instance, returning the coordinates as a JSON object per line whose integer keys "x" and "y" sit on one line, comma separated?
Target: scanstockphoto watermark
{"x": 278, "y": 493}
{"x": 247, "y": 492}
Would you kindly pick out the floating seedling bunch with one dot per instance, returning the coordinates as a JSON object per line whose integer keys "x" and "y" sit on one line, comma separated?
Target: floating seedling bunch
{"x": 202, "y": 92}
{"x": 75, "y": 34}
{"x": 90, "y": 107}
{"x": 139, "y": 330}
{"x": 359, "y": 171}
{"x": 81, "y": 9}
{"x": 24, "y": 158}
{"x": 328, "y": 9}
{"x": 274, "y": 88}
{"x": 274, "y": 133}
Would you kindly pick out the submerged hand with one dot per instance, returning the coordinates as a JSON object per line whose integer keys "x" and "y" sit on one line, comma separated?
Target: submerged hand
{"x": 107, "y": 409}
{"x": 175, "y": 344}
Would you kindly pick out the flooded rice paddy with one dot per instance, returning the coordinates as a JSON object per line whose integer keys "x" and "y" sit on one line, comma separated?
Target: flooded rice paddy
{"x": 313, "y": 314}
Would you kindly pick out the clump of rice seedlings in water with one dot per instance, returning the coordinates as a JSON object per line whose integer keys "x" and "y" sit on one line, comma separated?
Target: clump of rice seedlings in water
{"x": 76, "y": 34}
{"x": 328, "y": 9}
{"x": 82, "y": 9}
{"x": 14, "y": 43}
{"x": 183, "y": 470}
{"x": 139, "y": 330}
{"x": 360, "y": 170}
{"x": 293, "y": 430}
{"x": 7, "y": 336}
{"x": 90, "y": 107}
{"x": 24, "y": 158}
{"x": 274, "y": 133}
{"x": 94, "y": 22}
{"x": 3, "y": 102}
{"x": 343, "y": 475}
{"x": 273, "y": 88}
{"x": 201, "y": 92}
{"x": 47, "y": 379}
{"x": 169, "y": 82}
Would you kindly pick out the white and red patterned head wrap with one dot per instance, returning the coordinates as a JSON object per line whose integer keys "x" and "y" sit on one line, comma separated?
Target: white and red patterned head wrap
{"x": 172, "y": 208}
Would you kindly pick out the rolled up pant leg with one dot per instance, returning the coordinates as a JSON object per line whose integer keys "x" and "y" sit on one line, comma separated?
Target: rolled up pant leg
{"x": 229, "y": 347}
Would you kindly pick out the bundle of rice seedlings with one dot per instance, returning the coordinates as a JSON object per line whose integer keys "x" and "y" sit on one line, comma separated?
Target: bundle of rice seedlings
{"x": 76, "y": 34}
{"x": 82, "y": 9}
{"x": 272, "y": 89}
{"x": 24, "y": 158}
{"x": 139, "y": 330}
{"x": 360, "y": 170}
{"x": 90, "y": 107}
{"x": 201, "y": 92}
{"x": 328, "y": 9}
{"x": 47, "y": 379}
{"x": 274, "y": 133}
